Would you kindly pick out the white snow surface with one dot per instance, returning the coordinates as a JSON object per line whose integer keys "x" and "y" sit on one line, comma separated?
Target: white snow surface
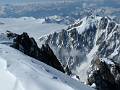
{"x": 7, "y": 80}
{"x": 86, "y": 23}
{"x": 21, "y": 72}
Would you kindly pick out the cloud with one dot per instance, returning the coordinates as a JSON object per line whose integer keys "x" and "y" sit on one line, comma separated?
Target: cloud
{"x": 2, "y": 10}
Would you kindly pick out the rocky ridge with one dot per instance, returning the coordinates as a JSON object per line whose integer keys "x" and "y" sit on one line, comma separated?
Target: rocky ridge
{"x": 83, "y": 39}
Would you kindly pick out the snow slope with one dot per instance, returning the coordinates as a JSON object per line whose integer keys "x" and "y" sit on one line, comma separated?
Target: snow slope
{"x": 20, "y": 72}
{"x": 7, "y": 80}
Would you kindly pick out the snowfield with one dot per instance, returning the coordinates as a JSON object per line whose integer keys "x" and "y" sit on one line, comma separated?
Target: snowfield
{"x": 21, "y": 72}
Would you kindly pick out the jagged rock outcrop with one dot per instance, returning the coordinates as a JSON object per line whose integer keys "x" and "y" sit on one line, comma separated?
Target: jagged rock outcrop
{"x": 11, "y": 35}
{"x": 80, "y": 41}
{"x": 65, "y": 44}
{"x": 29, "y": 47}
{"x": 105, "y": 74}
{"x": 7, "y": 37}
{"x": 70, "y": 46}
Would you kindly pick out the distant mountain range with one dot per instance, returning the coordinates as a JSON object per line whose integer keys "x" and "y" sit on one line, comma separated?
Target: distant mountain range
{"x": 76, "y": 9}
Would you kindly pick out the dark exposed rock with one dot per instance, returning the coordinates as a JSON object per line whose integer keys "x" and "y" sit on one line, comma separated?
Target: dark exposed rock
{"x": 103, "y": 23}
{"x": 105, "y": 75}
{"x": 10, "y": 34}
{"x": 29, "y": 47}
{"x": 111, "y": 26}
{"x": 67, "y": 70}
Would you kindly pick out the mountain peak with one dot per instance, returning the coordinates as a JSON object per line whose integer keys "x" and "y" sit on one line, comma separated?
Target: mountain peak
{"x": 81, "y": 40}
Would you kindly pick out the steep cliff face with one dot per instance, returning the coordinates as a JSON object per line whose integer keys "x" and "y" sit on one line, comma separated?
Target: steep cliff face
{"x": 83, "y": 39}
{"x": 109, "y": 40}
{"x": 71, "y": 45}
{"x": 105, "y": 74}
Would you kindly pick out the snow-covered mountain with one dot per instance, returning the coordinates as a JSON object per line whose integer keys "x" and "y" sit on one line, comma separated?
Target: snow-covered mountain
{"x": 47, "y": 40}
{"x": 18, "y": 70}
{"x": 77, "y": 45}
{"x": 68, "y": 8}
